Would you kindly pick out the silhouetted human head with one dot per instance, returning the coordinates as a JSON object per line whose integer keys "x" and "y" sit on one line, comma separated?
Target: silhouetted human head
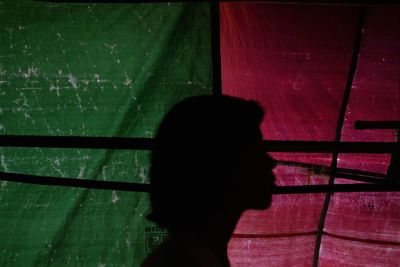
{"x": 208, "y": 160}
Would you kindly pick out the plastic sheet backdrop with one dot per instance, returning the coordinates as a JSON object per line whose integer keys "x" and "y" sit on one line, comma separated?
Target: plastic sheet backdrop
{"x": 362, "y": 229}
{"x": 295, "y": 61}
{"x": 89, "y": 70}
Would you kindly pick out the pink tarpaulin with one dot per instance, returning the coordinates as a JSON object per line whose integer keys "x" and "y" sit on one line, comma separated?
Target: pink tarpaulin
{"x": 369, "y": 223}
{"x": 375, "y": 94}
{"x": 295, "y": 61}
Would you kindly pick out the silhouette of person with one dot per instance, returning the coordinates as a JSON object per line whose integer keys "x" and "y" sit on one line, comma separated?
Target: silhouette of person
{"x": 207, "y": 167}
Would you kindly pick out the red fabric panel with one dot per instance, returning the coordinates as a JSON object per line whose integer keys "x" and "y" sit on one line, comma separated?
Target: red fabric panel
{"x": 372, "y": 216}
{"x": 295, "y": 214}
{"x": 278, "y": 251}
{"x": 375, "y": 94}
{"x": 369, "y": 222}
{"x": 292, "y": 175}
{"x": 294, "y": 60}
{"x": 357, "y": 254}
{"x": 372, "y": 219}
{"x": 283, "y": 235}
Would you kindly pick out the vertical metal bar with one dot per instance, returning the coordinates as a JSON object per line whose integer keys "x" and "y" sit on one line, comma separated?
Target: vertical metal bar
{"x": 215, "y": 46}
{"x": 349, "y": 83}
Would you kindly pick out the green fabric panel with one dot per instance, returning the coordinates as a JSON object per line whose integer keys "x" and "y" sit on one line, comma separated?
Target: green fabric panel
{"x": 89, "y": 70}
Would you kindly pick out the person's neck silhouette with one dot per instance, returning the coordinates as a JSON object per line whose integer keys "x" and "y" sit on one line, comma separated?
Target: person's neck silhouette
{"x": 207, "y": 167}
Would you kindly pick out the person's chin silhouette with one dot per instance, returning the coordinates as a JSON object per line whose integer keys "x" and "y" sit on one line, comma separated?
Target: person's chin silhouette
{"x": 208, "y": 166}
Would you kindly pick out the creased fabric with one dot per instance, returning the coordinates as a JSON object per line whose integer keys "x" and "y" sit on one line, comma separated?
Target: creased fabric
{"x": 90, "y": 70}
{"x": 294, "y": 60}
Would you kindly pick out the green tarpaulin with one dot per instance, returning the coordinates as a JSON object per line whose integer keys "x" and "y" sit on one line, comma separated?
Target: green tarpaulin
{"x": 89, "y": 70}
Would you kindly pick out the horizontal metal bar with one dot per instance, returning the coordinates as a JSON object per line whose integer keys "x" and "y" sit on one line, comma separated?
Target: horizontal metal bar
{"x": 71, "y": 182}
{"x": 322, "y": 169}
{"x": 148, "y": 144}
{"x": 136, "y": 187}
{"x": 289, "y": 2}
{"x": 365, "y": 179}
{"x": 360, "y": 125}
{"x": 336, "y": 188}
{"x": 331, "y": 147}
{"x": 349, "y": 174}
{"x": 77, "y": 142}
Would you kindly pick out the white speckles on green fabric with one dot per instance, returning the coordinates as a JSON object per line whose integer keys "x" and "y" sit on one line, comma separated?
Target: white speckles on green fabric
{"x": 89, "y": 70}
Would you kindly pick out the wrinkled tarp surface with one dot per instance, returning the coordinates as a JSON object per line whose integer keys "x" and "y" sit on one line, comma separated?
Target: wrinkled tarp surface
{"x": 295, "y": 59}
{"x": 114, "y": 69}
{"x": 89, "y": 70}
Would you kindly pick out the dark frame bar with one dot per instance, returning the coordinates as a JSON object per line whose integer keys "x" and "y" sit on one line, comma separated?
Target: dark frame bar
{"x": 289, "y": 2}
{"x": 332, "y": 147}
{"x": 336, "y": 188}
{"x": 361, "y": 125}
{"x": 71, "y": 182}
{"x": 349, "y": 83}
{"x": 350, "y": 174}
{"x": 76, "y": 142}
{"x": 138, "y": 187}
{"x": 148, "y": 144}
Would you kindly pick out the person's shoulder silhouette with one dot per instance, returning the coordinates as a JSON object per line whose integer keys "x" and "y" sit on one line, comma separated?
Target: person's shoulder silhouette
{"x": 207, "y": 167}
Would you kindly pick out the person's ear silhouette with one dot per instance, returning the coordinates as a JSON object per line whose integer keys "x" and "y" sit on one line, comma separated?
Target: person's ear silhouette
{"x": 207, "y": 167}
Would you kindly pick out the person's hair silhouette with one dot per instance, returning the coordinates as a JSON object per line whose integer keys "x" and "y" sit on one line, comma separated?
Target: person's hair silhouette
{"x": 207, "y": 167}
